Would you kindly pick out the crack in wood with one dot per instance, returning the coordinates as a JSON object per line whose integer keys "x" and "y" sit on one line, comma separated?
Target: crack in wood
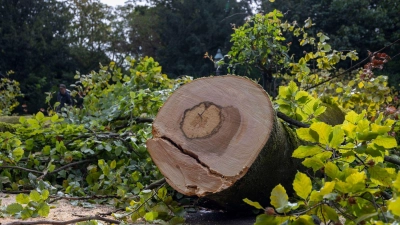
{"x": 192, "y": 155}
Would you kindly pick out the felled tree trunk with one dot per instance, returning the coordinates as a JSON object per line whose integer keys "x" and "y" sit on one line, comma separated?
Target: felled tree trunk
{"x": 219, "y": 138}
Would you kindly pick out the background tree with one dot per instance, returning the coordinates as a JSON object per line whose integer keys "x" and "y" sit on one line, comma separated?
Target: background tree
{"x": 188, "y": 29}
{"x": 360, "y": 25}
{"x": 33, "y": 44}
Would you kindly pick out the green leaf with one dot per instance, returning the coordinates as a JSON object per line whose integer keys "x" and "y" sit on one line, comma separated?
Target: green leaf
{"x": 14, "y": 208}
{"x": 54, "y": 118}
{"x": 254, "y": 204}
{"x": 302, "y": 185}
{"x": 317, "y": 196}
{"x": 332, "y": 170}
{"x": 307, "y": 134}
{"x": 26, "y": 213}
{"x": 381, "y": 176}
{"x": 306, "y": 151}
{"x": 22, "y": 199}
{"x": 43, "y": 209}
{"x": 396, "y": 184}
{"x": 17, "y": 154}
{"x": 356, "y": 181}
{"x": 35, "y": 196}
{"x": 304, "y": 220}
{"x": 39, "y": 116}
{"x": 352, "y": 117}
{"x": 279, "y": 198}
{"x": 113, "y": 164}
{"x": 365, "y": 217}
{"x": 45, "y": 194}
{"x": 323, "y": 130}
{"x": 328, "y": 212}
{"x": 394, "y": 206}
{"x": 292, "y": 88}
{"x": 264, "y": 219}
{"x": 150, "y": 216}
{"x": 385, "y": 141}
{"x": 161, "y": 193}
{"x": 315, "y": 163}
{"x": 135, "y": 176}
{"x": 336, "y": 137}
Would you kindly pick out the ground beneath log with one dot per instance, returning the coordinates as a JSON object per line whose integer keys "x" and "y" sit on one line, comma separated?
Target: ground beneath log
{"x": 63, "y": 211}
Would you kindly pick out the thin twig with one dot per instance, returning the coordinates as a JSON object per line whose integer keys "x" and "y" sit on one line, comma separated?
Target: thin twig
{"x": 233, "y": 15}
{"x": 145, "y": 202}
{"x": 97, "y": 217}
{"x": 21, "y": 168}
{"x": 111, "y": 212}
{"x": 66, "y": 166}
{"x": 291, "y": 121}
{"x": 56, "y": 198}
{"x": 15, "y": 192}
{"x": 155, "y": 184}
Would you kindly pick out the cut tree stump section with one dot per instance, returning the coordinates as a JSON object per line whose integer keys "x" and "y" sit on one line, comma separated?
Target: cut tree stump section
{"x": 219, "y": 138}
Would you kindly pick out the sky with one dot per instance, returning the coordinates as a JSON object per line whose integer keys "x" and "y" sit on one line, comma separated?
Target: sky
{"x": 113, "y": 2}
{"x": 119, "y": 2}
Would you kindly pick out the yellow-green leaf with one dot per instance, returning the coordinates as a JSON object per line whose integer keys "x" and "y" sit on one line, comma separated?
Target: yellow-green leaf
{"x": 307, "y": 134}
{"x": 14, "y": 208}
{"x": 279, "y": 198}
{"x": 22, "y": 199}
{"x": 17, "y": 154}
{"x": 39, "y": 116}
{"x": 161, "y": 193}
{"x": 396, "y": 184}
{"x": 113, "y": 164}
{"x": 381, "y": 176}
{"x": 45, "y": 194}
{"x": 35, "y": 196}
{"x": 352, "y": 117}
{"x": 356, "y": 182}
{"x": 315, "y": 163}
{"x": 304, "y": 220}
{"x": 317, "y": 196}
{"x": 394, "y": 206}
{"x": 305, "y": 151}
{"x": 254, "y": 204}
{"x": 323, "y": 130}
{"x": 302, "y": 185}
{"x": 150, "y": 216}
{"x": 385, "y": 141}
{"x": 332, "y": 170}
{"x": 337, "y": 137}
{"x": 43, "y": 209}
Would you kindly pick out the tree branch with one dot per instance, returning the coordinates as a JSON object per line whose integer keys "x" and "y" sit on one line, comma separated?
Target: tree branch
{"x": 155, "y": 184}
{"x": 291, "y": 121}
{"x": 56, "y": 198}
{"x": 21, "y": 168}
{"x": 392, "y": 160}
{"x": 97, "y": 217}
{"x": 65, "y": 166}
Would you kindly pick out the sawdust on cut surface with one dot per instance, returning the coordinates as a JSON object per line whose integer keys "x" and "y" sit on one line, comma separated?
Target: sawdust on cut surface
{"x": 61, "y": 210}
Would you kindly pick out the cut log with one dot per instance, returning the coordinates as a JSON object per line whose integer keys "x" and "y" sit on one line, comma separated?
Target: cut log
{"x": 219, "y": 138}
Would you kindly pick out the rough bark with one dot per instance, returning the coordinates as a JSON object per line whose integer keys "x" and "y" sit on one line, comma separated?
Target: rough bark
{"x": 219, "y": 137}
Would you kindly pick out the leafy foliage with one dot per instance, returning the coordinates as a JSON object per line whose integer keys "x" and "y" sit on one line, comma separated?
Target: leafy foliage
{"x": 9, "y": 91}
{"x": 96, "y": 150}
{"x": 352, "y": 177}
